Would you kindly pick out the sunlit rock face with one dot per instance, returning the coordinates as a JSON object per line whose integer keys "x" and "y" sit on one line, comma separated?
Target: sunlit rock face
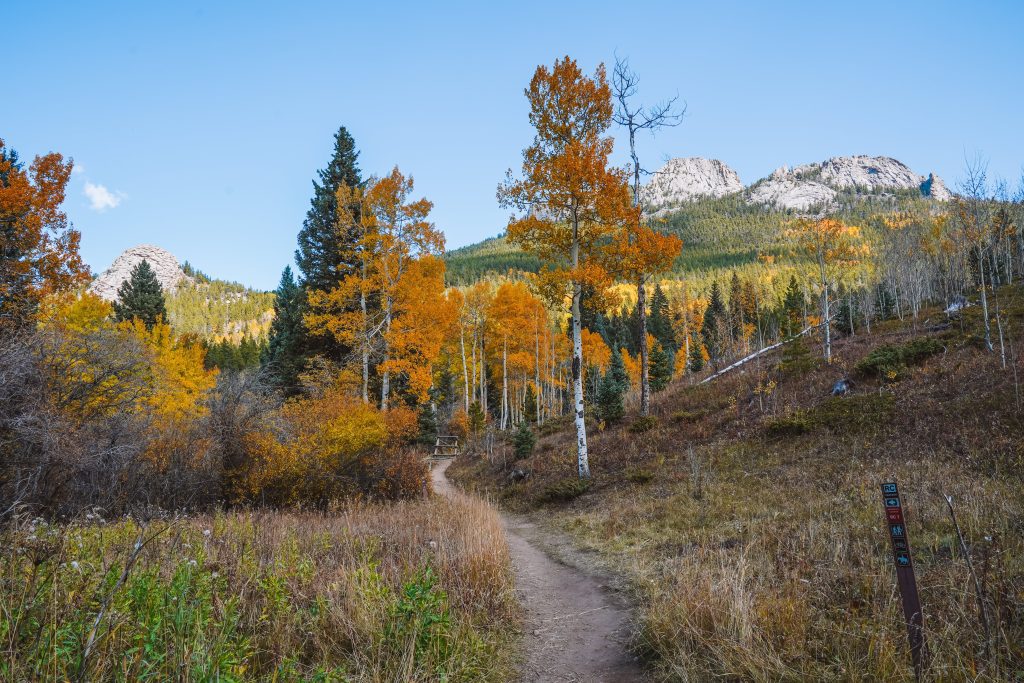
{"x": 164, "y": 264}
{"x": 684, "y": 179}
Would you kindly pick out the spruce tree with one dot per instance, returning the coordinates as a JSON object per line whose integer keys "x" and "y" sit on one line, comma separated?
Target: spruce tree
{"x": 320, "y": 244}
{"x": 696, "y": 359}
{"x": 282, "y": 356}
{"x": 793, "y": 308}
{"x": 660, "y": 368}
{"x": 530, "y": 404}
{"x": 713, "y": 331}
{"x": 524, "y": 440}
{"x": 736, "y": 318}
{"x": 141, "y": 296}
{"x": 659, "y": 322}
{"x": 611, "y": 389}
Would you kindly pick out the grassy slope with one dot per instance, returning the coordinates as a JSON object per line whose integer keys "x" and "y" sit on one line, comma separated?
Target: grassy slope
{"x": 411, "y": 591}
{"x": 752, "y": 530}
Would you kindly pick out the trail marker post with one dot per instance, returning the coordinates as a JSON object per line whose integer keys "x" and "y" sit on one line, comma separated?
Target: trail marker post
{"x": 905, "y": 578}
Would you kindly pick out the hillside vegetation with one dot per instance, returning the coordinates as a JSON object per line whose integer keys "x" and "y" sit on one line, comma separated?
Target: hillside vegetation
{"x": 745, "y": 513}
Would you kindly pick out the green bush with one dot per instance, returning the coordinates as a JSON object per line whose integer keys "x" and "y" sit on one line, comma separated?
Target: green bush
{"x": 890, "y": 362}
{"x": 565, "y": 490}
{"x": 788, "y": 425}
{"x": 639, "y": 475}
{"x": 643, "y": 424}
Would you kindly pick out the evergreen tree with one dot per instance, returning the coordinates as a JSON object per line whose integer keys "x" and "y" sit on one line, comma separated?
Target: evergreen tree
{"x": 696, "y": 359}
{"x": 320, "y": 244}
{"x": 524, "y": 440}
{"x": 793, "y": 308}
{"x": 736, "y": 317}
{"x": 611, "y": 389}
{"x": 427, "y": 423}
{"x": 283, "y": 352}
{"x": 617, "y": 371}
{"x": 141, "y": 296}
{"x": 477, "y": 418}
{"x": 713, "y": 332}
{"x": 660, "y": 368}
{"x": 659, "y": 323}
{"x": 530, "y": 404}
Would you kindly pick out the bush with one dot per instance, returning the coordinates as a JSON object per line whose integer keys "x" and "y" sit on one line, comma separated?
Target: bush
{"x": 524, "y": 440}
{"x": 890, "y": 362}
{"x": 788, "y": 425}
{"x": 565, "y": 490}
{"x": 643, "y": 424}
{"x": 639, "y": 475}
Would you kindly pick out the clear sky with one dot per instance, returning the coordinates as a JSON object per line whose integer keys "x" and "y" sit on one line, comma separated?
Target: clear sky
{"x": 198, "y": 126}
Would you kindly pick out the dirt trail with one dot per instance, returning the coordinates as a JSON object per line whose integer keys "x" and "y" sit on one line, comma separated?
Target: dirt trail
{"x": 575, "y": 628}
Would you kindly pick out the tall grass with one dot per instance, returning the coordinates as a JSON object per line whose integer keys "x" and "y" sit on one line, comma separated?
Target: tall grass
{"x": 410, "y": 591}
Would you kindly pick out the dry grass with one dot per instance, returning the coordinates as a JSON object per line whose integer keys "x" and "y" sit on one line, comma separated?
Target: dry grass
{"x": 419, "y": 590}
{"x": 758, "y": 553}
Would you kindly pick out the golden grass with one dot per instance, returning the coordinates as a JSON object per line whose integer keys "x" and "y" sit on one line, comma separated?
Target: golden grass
{"x": 418, "y": 590}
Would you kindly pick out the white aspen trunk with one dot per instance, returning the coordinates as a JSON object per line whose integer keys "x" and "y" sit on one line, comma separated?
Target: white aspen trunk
{"x": 465, "y": 369}
{"x": 827, "y": 324}
{"x": 582, "y": 462}
{"x": 385, "y": 382}
{"x": 536, "y": 374}
{"x": 645, "y": 380}
{"x": 984, "y": 299}
{"x": 366, "y": 341}
{"x": 504, "y": 385}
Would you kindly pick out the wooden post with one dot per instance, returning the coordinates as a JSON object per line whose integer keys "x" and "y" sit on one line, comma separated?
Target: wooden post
{"x": 905, "y": 577}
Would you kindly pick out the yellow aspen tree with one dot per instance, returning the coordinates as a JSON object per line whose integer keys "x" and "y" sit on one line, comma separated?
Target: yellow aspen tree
{"x": 571, "y": 202}
{"x": 402, "y": 235}
{"x": 835, "y": 249}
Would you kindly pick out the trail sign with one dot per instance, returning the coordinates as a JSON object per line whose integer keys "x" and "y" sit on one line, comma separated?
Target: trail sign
{"x": 905, "y": 574}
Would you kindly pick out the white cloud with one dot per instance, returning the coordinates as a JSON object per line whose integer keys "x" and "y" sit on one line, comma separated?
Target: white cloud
{"x": 100, "y": 198}
{"x": 78, "y": 169}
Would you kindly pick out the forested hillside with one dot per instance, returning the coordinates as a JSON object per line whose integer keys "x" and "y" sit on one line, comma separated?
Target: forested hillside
{"x": 216, "y": 309}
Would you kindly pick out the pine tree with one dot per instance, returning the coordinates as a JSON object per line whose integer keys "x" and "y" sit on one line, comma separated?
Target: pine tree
{"x": 524, "y": 440}
{"x": 320, "y": 244}
{"x": 530, "y": 404}
{"x": 793, "y": 308}
{"x": 661, "y": 368}
{"x": 141, "y": 296}
{"x": 283, "y": 353}
{"x": 713, "y": 331}
{"x": 477, "y": 418}
{"x": 611, "y": 389}
{"x": 696, "y": 359}
{"x": 736, "y": 317}
{"x": 659, "y": 322}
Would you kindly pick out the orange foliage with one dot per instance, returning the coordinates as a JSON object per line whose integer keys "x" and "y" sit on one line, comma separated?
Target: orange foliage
{"x": 38, "y": 246}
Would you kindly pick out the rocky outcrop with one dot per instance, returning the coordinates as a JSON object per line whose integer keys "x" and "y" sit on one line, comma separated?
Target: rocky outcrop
{"x": 815, "y": 185}
{"x": 792, "y": 193}
{"x": 163, "y": 262}
{"x": 684, "y": 179}
{"x": 936, "y": 189}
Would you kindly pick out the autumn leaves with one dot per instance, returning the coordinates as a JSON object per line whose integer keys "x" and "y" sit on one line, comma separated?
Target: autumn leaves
{"x": 576, "y": 212}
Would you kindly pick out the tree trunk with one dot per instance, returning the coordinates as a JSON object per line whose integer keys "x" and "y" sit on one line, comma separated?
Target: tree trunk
{"x": 826, "y": 323}
{"x": 365, "y": 342}
{"x": 645, "y": 380}
{"x": 465, "y": 368}
{"x": 385, "y": 382}
{"x": 539, "y": 393}
{"x": 582, "y": 463}
{"x": 504, "y": 385}
{"x": 984, "y": 299}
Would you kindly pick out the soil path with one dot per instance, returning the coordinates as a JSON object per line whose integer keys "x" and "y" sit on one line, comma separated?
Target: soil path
{"x": 575, "y": 629}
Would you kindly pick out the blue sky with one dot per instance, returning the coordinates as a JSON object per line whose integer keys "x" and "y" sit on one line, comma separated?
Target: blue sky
{"x": 198, "y": 126}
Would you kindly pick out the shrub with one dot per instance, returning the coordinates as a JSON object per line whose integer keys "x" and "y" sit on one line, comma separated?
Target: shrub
{"x": 788, "y": 425}
{"x": 524, "y": 440}
{"x": 565, "y": 490}
{"x": 890, "y": 361}
{"x": 639, "y": 475}
{"x": 643, "y": 424}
